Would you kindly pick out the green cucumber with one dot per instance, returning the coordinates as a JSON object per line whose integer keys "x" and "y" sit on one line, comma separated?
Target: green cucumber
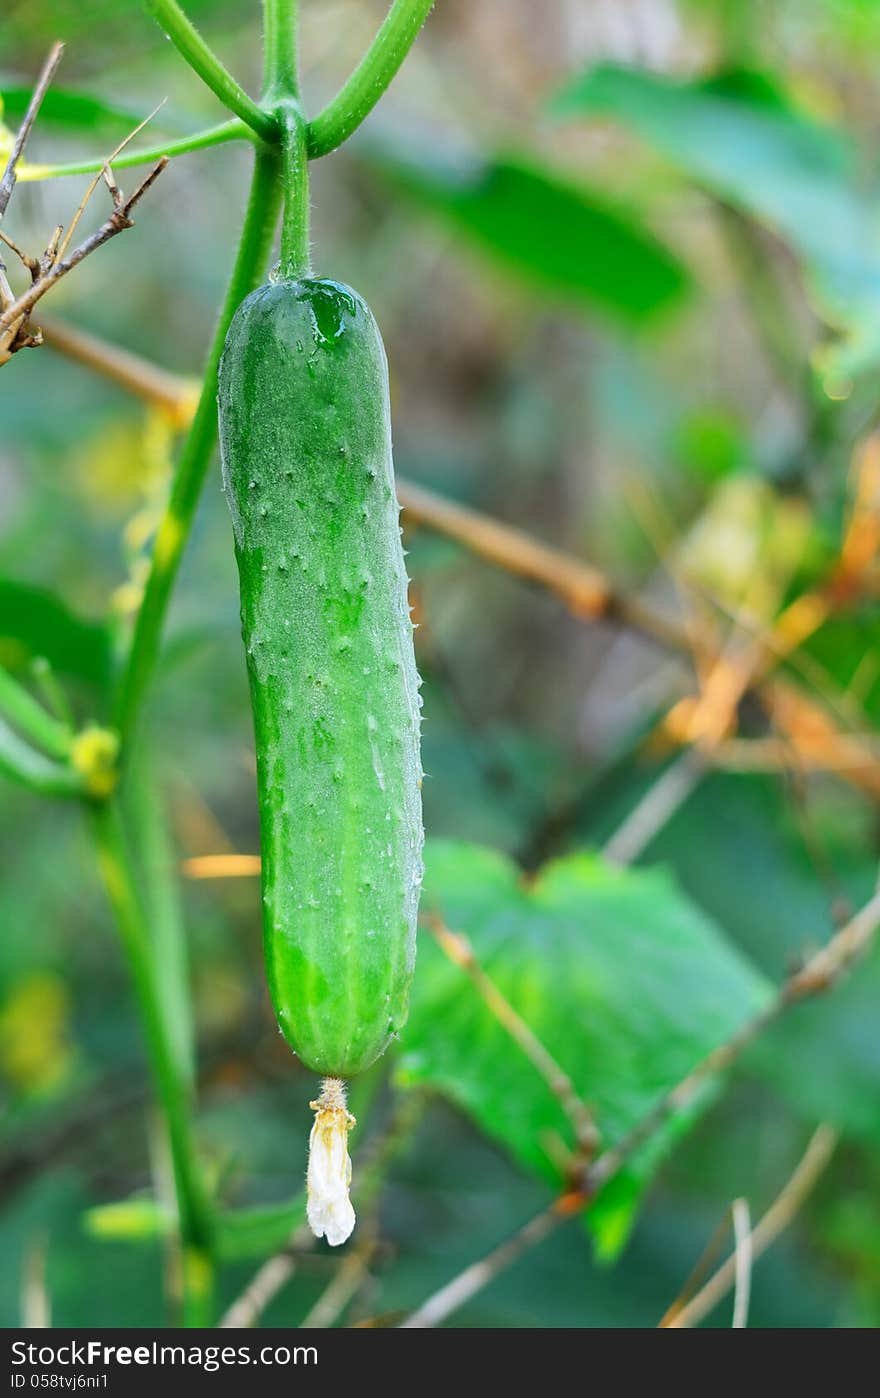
{"x": 305, "y": 439}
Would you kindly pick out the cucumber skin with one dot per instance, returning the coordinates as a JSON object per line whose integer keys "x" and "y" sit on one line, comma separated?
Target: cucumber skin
{"x": 305, "y": 436}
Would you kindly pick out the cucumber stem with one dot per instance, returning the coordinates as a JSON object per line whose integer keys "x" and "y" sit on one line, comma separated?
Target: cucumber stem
{"x": 295, "y": 248}
{"x": 280, "y": 67}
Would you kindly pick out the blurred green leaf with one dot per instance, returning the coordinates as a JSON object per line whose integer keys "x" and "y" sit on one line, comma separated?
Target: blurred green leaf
{"x": 840, "y": 648}
{"x": 711, "y": 444}
{"x": 129, "y": 1220}
{"x": 261, "y": 1229}
{"x": 624, "y": 981}
{"x": 558, "y": 235}
{"x": 36, "y": 623}
{"x": 78, "y": 111}
{"x": 735, "y": 133}
{"x": 739, "y": 138}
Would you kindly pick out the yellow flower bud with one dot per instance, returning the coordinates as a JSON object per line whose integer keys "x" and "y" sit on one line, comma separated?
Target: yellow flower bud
{"x": 93, "y": 753}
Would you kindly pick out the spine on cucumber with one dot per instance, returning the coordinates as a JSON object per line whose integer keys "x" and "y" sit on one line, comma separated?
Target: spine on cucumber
{"x": 306, "y": 449}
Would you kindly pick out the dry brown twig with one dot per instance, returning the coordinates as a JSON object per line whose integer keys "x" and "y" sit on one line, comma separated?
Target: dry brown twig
{"x": 50, "y": 268}
{"x": 7, "y": 183}
{"x": 704, "y": 725}
{"x": 58, "y": 258}
{"x": 36, "y": 1303}
{"x": 267, "y": 1281}
{"x": 41, "y": 87}
{"x": 585, "y": 591}
{"x": 685, "y": 1313}
{"x": 701, "y": 724}
{"x": 346, "y": 1281}
{"x": 702, "y": 1268}
{"x": 818, "y": 973}
{"x": 658, "y": 805}
{"x": 743, "y": 1259}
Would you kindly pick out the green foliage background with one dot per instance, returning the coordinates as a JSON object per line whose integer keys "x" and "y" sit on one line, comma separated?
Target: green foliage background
{"x": 628, "y": 275}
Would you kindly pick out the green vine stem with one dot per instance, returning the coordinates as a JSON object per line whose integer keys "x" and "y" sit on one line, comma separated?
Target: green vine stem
{"x": 158, "y": 865}
{"x": 54, "y": 698}
{"x": 172, "y": 1088}
{"x": 281, "y": 94}
{"x": 357, "y": 98}
{"x": 202, "y": 59}
{"x": 234, "y": 130}
{"x": 27, "y": 767}
{"x": 250, "y": 263}
{"x": 295, "y": 248}
{"x": 23, "y": 711}
{"x": 280, "y": 69}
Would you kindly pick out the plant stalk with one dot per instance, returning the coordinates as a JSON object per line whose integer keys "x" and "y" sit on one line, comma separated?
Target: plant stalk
{"x": 28, "y": 767}
{"x": 172, "y": 1089}
{"x": 31, "y": 718}
{"x": 280, "y": 65}
{"x": 234, "y": 130}
{"x": 295, "y": 247}
{"x": 158, "y": 867}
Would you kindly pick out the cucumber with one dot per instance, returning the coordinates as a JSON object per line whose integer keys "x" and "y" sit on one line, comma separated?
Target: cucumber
{"x": 305, "y": 441}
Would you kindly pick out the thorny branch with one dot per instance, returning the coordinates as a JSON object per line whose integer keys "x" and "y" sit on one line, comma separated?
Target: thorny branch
{"x": 7, "y": 184}
{"x": 50, "y": 268}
